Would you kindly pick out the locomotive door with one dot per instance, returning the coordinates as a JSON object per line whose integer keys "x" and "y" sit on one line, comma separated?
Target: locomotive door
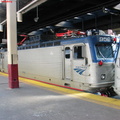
{"x": 74, "y": 61}
{"x": 68, "y": 63}
{"x": 79, "y": 62}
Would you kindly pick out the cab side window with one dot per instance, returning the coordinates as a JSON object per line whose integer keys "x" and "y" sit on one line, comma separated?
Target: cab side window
{"x": 78, "y": 52}
{"x": 67, "y": 52}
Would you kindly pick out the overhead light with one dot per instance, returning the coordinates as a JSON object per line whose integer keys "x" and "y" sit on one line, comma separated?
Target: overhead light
{"x": 19, "y": 17}
{"x": 117, "y": 7}
{"x": 64, "y": 24}
{"x": 32, "y": 33}
{"x": 77, "y": 18}
{"x": 49, "y": 27}
{"x": 106, "y": 10}
{"x": 1, "y": 28}
{"x": 37, "y": 17}
{"x": 112, "y": 12}
{"x": 43, "y": 29}
{"x": 90, "y": 14}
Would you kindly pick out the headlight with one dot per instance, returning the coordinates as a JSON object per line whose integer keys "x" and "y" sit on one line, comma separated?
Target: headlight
{"x": 102, "y": 76}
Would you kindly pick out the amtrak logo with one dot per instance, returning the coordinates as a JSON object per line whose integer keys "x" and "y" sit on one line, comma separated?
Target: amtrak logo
{"x": 80, "y": 70}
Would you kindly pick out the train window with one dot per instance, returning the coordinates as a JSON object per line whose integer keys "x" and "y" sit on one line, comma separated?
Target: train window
{"x": 67, "y": 53}
{"x": 78, "y": 52}
{"x": 56, "y": 43}
{"x": 49, "y": 44}
{"x": 104, "y": 51}
{"x": 31, "y": 38}
{"x": 42, "y": 45}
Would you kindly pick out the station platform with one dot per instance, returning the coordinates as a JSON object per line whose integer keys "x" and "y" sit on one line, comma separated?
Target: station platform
{"x": 35, "y": 100}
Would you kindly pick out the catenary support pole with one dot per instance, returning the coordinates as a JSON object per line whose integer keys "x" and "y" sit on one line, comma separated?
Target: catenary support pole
{"x": 12, "y": 44}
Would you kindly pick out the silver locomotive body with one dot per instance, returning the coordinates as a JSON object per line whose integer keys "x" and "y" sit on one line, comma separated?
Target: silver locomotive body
{"x": 85, "y": 63}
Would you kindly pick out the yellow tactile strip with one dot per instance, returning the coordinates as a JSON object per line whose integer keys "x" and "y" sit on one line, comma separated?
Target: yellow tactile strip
{"x": 106, "y": 101}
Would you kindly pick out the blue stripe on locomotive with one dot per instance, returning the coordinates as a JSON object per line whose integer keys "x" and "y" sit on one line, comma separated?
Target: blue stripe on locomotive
{"x": 92, "y": 40}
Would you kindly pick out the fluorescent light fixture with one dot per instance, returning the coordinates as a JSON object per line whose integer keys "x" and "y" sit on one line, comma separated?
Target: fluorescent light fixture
{"x": 90, "y": 14}
{"x": 19, "y": 17}
{"x": 106, "y": 10}
{"x": 77, "y": 18}
{"x": 117, "y": 7}
{"x": 64, "y": 24}
{"x": 1, "y": 28}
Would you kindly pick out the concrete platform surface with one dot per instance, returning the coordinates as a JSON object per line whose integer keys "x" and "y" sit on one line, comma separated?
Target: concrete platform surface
{"x": 30, "y": 102}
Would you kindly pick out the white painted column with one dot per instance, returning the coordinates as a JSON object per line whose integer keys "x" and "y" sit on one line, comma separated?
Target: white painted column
{"x": 12, "y": 44}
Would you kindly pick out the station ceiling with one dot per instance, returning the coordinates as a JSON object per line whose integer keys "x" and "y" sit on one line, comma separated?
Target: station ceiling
{"x": 82, "y": 14}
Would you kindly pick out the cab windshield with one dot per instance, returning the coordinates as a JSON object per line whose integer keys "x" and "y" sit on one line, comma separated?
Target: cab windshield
{"x": 104, "y": 51}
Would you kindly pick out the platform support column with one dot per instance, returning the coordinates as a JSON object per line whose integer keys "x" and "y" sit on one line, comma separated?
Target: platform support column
{"x": 12, "y": 44}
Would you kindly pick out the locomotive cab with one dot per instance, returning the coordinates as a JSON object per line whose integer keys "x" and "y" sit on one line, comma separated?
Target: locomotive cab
{"x": 102, "y": 68}
{"x": 90, "y": 64}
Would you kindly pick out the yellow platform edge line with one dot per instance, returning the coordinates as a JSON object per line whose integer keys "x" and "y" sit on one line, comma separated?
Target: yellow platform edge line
{"x": 106, "y": 101}
{"x": 110, "y": 102}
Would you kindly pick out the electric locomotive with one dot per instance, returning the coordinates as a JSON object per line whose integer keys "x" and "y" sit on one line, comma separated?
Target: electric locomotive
{"x": 83, "y": 62}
